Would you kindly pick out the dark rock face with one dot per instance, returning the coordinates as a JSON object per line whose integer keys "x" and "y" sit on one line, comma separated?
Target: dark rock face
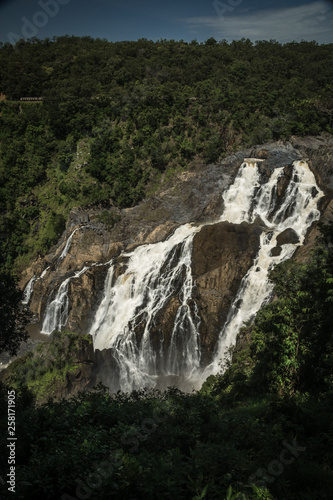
{"x": 84, "y": 292}
{"x": 287, "y": 236}
{"x": 164, "y": 322}
{"x": 222, "y": 254}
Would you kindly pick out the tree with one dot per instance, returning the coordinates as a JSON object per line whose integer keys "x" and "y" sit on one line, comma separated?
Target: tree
{"x": 13, "y": 316}
{"x": 292, "y": 338}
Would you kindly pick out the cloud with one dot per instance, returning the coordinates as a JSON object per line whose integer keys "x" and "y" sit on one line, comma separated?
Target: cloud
{"x": 312, "y": 21}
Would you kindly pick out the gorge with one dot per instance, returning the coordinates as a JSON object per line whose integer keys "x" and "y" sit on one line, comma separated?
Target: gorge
{"x": 166, "y": 291}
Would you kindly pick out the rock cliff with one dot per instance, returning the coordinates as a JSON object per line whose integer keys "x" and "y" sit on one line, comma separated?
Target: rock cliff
{"x": 222, "y": 253}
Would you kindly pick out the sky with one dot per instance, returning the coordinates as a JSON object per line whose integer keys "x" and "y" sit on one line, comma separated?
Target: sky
{"x": 116, "y": 20}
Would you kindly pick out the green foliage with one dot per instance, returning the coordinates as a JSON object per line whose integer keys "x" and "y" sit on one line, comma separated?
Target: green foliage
{"x": 45, "y": 371}
{"x": 54, "y": 227}
{"x": 153, "y": 445}
{"x": 14, "y": 317}
{"x": 108, "y": 218}
{"x": 114, "y": 116}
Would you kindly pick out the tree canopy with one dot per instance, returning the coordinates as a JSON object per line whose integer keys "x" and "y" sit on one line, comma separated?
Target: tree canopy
{"x": 116, "y": 116}
{"x": 14, "y": 317}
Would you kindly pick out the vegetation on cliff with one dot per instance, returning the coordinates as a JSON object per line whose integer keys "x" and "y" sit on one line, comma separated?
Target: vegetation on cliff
{"x": 263, "y": 430}
{"x": 47, "y": 370}
{"x": 116, "y": 116}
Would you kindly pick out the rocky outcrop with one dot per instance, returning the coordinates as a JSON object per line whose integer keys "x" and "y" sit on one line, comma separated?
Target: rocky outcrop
{"x": 276, "y": 251}
{"x": 222, "y": 254}
{"x": 287, "y": 236}
{"x": 84, "y": 293}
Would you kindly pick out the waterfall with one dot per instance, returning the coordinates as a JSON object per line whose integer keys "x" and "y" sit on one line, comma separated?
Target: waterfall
{"x": 297, "y": 211}
{"x": 239, "y": 197}
{"x": 56, "y": 315}
{"x": 153, "y": 283}
{"x": 68, "y": 244}
{"x": 30, "y": 286}
{"x": 154, "y": 272}
{"x": 44, "y": 273}
{"x": 28, "y": 290}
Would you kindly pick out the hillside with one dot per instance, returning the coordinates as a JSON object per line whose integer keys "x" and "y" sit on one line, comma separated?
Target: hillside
{"x": 116, "y": 118}
{"x": 167, "y": 208}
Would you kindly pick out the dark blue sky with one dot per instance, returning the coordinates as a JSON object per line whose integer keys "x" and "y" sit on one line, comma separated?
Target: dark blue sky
{"x": 282, "y": 20}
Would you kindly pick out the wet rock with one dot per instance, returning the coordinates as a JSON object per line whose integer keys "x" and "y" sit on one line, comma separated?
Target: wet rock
{"x": 222, "y": 254}
{"x": 287, "y": 236}
{"x": 164, "y": 323}
{"x": 276, "y": 251}
{"x": 84, "y": 293}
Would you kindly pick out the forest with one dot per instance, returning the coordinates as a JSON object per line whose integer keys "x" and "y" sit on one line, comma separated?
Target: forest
{"x": 117, "y": 117}
{"x": 115, "y": 120}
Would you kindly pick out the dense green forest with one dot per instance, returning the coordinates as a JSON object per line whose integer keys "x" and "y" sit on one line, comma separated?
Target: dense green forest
{"x": 263, "y": 430}
{"x": 115, "y": 117}
{"x": 115, "y": 120}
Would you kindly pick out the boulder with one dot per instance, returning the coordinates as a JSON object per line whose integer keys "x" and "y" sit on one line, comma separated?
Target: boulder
{"x": 276, "y": 251}
{"x": 287, "y": 236}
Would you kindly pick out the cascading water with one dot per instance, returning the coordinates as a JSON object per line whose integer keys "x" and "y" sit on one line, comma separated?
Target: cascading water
{"x": 44, "y": 273}
{"x": 154, "y": 272}
{"x": 140, "y": 285}
{"x": 57, "y": 311}
{"x": 68, "y": 244}
{"x": 297, "y": 211}
{"x": 28, "y": 290}
{"x": 239, "y": 197}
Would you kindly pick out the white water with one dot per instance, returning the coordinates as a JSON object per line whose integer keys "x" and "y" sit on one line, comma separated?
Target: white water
{"x": 239, "y": 197}
{"x": 56, "y": 315}
{"x": 68, "y": 244}
{"x": 44, "y": 273}
{"x": 153, "y": 274}
{"x": 297, "y": 211}
{"x": 28, "y": 290}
